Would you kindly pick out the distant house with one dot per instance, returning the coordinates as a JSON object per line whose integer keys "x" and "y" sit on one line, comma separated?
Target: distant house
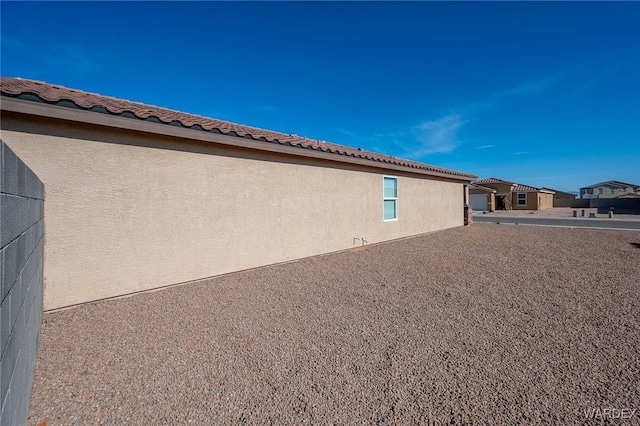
{"x": 482, "y": 198}
{"x": 515, "y": 196}
{"x": 561, "y": 198}
{"x": 610, "y": 189}
{"x": 140, "y": 197}
{"x": 632, "y": 195}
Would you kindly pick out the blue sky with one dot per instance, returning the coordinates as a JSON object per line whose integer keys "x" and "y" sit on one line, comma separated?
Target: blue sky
{"x": 541, "y": 93}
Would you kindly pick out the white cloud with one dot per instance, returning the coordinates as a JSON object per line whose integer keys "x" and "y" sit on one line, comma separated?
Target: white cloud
{"x": 440, "y": 136}
{"x": 434, "y": 137}
{"x": 530, "y": 88}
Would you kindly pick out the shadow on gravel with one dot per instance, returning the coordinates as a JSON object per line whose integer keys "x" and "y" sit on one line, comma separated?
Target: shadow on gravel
{"x": 636, "y": 245}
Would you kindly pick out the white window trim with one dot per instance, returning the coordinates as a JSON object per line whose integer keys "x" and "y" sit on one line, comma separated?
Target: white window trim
{"x": 390, "y": 198}
{"x": 518, "y": 194}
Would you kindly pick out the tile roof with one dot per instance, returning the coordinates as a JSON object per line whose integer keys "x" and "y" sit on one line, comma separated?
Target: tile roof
{"x": 494, "y": 180}
{"x": 481, "y": 188}
{"x": 58, "y": 95}
{"x": 612, "y": 184}
{"x": 558, "y": 192}
{"x": 517, "y": 187}
{"x": 526, "y": 188}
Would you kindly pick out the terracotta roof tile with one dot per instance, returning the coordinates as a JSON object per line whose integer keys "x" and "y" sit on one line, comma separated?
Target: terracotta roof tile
{"x": 14, "y": 87}
{"x": 494, "y": 180}
{"x": 517, "y": 187}
{"x": 611, "y": 184}
{"x": 526, "y": 188}
{"x": 481, "y": 188}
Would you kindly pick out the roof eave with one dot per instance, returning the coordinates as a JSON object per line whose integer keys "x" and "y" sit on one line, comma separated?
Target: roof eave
{"x": 482, "y": 188}
{"x": 27, "y": 107}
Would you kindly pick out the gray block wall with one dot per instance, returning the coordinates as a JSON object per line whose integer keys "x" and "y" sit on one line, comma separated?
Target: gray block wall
{"x": 623, "y": 204}
{"x": 21, "y": 283}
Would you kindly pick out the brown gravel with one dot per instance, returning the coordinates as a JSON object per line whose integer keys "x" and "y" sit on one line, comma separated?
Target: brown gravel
{"x": 488, "y": 324}
{"x": 560, "y": 212}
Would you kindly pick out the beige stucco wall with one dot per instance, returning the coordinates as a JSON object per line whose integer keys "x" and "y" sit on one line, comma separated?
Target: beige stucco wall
{"x": 545, "y": 201}
{"x": 535, "y": 201}
{"x": 128, "y": 212}
{"x": 606, "y": 191}
{"x": 532, "y": 201}
{"x": 501, "y": 188}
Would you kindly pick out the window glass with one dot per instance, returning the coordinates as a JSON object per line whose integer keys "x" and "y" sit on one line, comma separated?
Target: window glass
{"x": 389, "y": 209}
{"x": 390, "y": 187}
{"x": 390, "y": 198}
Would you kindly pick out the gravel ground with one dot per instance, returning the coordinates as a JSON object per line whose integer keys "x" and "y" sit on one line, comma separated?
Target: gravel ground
{"x": 488, "y": 324}
{"x": 620, "y": 214}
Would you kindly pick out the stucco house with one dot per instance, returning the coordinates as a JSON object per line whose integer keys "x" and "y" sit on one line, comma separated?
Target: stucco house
{"x": 609, "y": 189}
{"x": 516, "y": 196}
{"x": 562, "y": 198}
{"x": 482, "y": 198}
{"x": 140, "y": 197}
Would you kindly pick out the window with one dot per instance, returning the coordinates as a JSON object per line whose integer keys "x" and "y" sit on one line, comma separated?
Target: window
{"x": 611, "y": 190}
{"x": 390, "y": 198}
{"x": 599, "y": 190}
{"x": 635, "y": 190}
{"x": 522, "y": 199}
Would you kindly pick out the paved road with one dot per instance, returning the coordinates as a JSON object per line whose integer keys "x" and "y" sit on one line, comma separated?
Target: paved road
{"x": 565, "y": 222}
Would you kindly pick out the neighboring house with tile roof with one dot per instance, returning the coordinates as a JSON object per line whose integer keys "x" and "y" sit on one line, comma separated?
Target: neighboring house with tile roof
{"x": 516, "y": 196}
{"x": 562, "y": 198}
{"x": 482, "y": 198}
{"x": 610, "y": 189}
{"x": 139, "y": 197}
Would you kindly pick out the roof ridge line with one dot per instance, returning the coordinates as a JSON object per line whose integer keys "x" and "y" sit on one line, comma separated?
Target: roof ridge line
{"x": 52, "y": 94}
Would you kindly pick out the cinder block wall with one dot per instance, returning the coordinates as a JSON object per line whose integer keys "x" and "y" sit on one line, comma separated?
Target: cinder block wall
{"x": 21, "y": 256}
